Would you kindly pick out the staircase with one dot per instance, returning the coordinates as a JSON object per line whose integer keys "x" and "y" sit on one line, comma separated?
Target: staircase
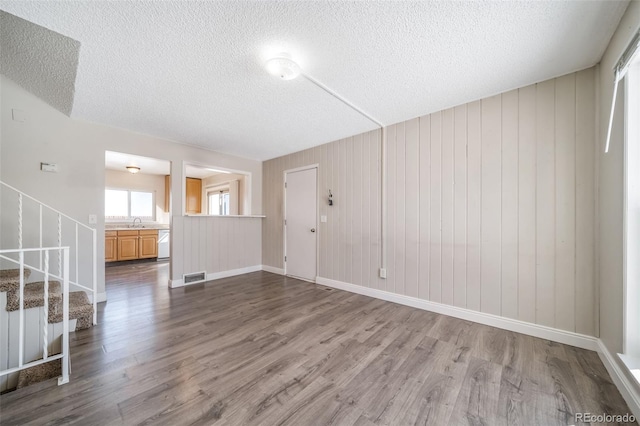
{"x": 37, "y": 307}
{"x": 80, "y": 318}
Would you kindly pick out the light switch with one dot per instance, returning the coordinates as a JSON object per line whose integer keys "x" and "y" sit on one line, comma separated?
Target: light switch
{"x": 93, "y": 219}
{"x": 323, "y": 219}
{"x": 49, "y": 167}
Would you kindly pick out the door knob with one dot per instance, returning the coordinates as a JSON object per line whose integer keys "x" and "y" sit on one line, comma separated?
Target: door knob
{"x": 313, "y": 229}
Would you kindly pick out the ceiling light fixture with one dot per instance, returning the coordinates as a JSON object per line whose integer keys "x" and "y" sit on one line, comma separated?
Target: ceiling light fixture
{"x": 133, "y": 169}
{"x": 283, "y": 66}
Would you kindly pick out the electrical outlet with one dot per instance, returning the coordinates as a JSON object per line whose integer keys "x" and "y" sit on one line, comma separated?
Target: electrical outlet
{"x": 93, "y": 219}
{"x": 323, "y": 219}
{"x": 383, "y": 273}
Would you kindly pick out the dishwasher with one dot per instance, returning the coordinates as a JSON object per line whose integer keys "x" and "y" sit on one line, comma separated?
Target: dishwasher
{"x": 163, "y": 244}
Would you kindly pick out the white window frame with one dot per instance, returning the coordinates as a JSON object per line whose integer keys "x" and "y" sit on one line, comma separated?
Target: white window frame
{"x": 216, "y": 189}
{"x": 631, "y": 214}
{"x": 151, "y": 218}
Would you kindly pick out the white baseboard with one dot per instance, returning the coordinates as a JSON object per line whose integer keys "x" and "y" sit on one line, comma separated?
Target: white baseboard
{"x": 217, "y": 275}
{"x": 627, "y": 389}
{"x": 102, "y": 296}
{"x": 543, "y": 332}
{"x": 273, "y": 270}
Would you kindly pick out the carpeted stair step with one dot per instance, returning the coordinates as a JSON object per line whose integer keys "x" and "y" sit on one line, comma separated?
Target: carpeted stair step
{"x": 80, "y": 307}
{"x": 39, "y": 373}
{"x": 34, "y": 298}
{"x": 10, "y": 278}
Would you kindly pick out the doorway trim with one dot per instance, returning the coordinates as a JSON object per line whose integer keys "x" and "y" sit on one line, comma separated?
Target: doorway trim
{"x": 284, "y": 210}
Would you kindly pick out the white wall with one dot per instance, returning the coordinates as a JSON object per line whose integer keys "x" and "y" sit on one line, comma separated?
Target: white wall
{"x": 78, "y": 148}
{"x": 115, "y": 179}
{"x": 490, "y": 205}
{"x": 610, "y": 190}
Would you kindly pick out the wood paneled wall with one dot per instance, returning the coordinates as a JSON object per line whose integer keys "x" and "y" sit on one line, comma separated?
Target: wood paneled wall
{"x": 490, "y": 205}
{"x": 214, "y": 244}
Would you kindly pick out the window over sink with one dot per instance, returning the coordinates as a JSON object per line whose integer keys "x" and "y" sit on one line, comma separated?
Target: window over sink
{"x": 123, "y": 204}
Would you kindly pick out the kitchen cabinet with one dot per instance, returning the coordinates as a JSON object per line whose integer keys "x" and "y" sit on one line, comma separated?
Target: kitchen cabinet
{"x": 110, "y": 246}
{"x": 193, "y": 204}
{"x": 148, "y": 244}
{"x": 130, "y": 244}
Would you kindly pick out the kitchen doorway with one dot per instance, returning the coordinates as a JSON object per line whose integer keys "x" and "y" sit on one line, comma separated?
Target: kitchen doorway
{"x": 137, "y": 210}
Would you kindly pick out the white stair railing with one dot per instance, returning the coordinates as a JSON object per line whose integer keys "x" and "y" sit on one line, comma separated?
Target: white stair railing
{"x": 59, "y": 235}
{"x": 64, "y": 353}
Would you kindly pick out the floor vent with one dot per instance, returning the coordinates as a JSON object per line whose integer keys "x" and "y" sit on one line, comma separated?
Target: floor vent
{"x": 195, "y": 277}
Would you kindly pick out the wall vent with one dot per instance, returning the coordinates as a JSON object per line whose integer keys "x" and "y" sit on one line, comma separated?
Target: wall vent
{"x": 194, "y": 277}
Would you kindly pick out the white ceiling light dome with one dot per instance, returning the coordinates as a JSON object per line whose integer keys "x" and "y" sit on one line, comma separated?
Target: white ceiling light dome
{"x": 283, "y": 66}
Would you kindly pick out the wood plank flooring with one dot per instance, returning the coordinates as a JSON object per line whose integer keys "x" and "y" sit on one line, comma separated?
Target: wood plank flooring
{"x": 262, "y": 349}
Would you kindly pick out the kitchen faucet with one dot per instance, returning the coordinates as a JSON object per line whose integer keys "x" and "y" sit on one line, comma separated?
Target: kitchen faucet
{"x": 134, "y": 222}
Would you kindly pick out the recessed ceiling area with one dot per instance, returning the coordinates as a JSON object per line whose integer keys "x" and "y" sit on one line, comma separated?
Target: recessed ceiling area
{"x": 150, "y": 166}
{"x": 201, "y": 172}
{"x": 194, "y": 72}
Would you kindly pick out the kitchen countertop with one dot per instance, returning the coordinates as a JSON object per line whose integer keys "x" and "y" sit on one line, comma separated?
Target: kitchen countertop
{"x": 121, "y": 227}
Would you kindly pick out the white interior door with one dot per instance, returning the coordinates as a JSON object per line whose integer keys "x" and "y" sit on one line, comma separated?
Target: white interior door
{"x": 300, "y": 223}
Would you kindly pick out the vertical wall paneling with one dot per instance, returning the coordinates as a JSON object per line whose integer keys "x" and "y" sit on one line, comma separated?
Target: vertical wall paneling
{"x": 565, "y": 173}
{"x": 474, "y": 203}
{"x": 527, "y": 204}
{"x": 331, "y": 217}
{"x": 460, "y": 207}
{"x": 425, "y": 207}
{"x": 509, "y": 214}
{"x": 375, "y": 144}
{"x": 343, "y": 235}
{"x": 412, "y": 203}
{"x": 230, "y": 243}
{"x": 348, "y": 202}
{"x": 324, "y": 210}
{"x": 585, "y": 202}
{"x": 400, "y": 208}
{"x": 447, "y": 205}
{"x": 435, "y": 249}
{"x": 356, "y": 224}
{"x": 365, "y": 213}
{"x": 545, "y": 203}
{"x": 392, "y": 200}
{"x": 491, "y": 205}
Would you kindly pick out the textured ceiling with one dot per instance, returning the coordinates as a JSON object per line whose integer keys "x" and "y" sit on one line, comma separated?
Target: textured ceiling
{"x": 40, "y": 60}
{"x": 193, "y": 71}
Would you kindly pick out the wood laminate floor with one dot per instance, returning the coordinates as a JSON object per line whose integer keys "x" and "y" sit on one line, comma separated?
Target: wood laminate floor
{"x": 265, "y": 349}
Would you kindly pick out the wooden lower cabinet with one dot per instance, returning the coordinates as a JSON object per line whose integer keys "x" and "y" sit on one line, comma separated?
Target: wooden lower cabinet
{"x": 130, "y": 245}
{"x": 148, "y": 244}
{"x": 110, "y": 246}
